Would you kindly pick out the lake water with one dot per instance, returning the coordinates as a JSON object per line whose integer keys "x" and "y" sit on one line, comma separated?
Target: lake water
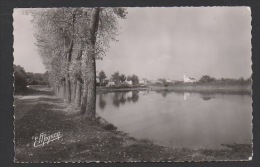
{"x": 171, "y": 119}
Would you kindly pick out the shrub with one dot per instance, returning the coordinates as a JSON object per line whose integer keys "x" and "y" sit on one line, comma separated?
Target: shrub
{"x": 109, "y": 127}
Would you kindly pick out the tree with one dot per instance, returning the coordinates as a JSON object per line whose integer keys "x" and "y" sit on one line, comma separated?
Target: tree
{"x": 102, "y": 76}
{"x": 89, "y": 95}
{"x": 116, "y": 77}
{"x": 206, "y": 79}
{"x": 103, "y": 28}
{"x": 19, "y": 78}
{"x": 122, "y": 78}
{"x": 135, "y": 79}
{"x": 129, "y": 78}
{"x": 56, "y": 40}
{"x": 163, "y": 81}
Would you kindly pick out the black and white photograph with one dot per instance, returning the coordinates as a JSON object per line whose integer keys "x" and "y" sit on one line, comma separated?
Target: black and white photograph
{"x": 132, "y": 84}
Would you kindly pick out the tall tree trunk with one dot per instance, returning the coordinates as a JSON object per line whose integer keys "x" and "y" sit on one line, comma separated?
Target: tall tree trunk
{"x": 90, "y": 76}
{"x": 68, "y": 89}
{"x": 69, "y": 57}
{"x": 73, "y": 88}
{"x": 78, "y": 93}
{"x": 58, "y": 93}
{"x": 64, "y": 89}
{"x": 91, "y": 96}
{"x": 84, "y": 98}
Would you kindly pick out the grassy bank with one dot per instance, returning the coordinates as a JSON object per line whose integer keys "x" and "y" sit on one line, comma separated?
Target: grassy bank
{"x": 85, "y": 140}
{"x": 121, "y": 88}
{"x": 189, "y": 87}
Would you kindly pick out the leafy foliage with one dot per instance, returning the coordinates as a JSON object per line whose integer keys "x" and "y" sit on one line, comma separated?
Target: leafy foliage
{"x": 102, "y": 76}
{"x": 135, "y": 79}
{"x": 58, "y": 28}
{"x": 70, "y": 40}
{"x": 116, "y": 77}
{"x": 22, "y": 78}
{"x": 19, "y": 78}
{"x": 122, "y": 78}
{"x": 206, "y": 79}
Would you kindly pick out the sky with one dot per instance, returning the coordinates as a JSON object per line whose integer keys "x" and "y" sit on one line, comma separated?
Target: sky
{"x": 164, "y": 43}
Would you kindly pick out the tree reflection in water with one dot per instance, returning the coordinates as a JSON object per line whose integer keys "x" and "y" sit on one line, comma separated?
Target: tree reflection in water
{"x": 116, "y": 100}
{"x": 123, "y": 97}
{"x": 163, "y": 92}
{"x": 119, "y": 98}
{"x": 102, "y": 102}
{"x": 206, "y": 98}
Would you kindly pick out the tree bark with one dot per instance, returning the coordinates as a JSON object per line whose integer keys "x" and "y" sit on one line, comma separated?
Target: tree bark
{"x": 84, "y": 98}
{"x": 68, "y": 89}
{"x": 88, "y": 104}
{"x": 74, "y": 88}
{"x": 78, "y": 92}
{"x": 64, "y": 89}
{"x": 69, "y": 57}
{"x": 58, "y": 92}
{"x": 91, "y": 66}
{"x": 91, "y": 86}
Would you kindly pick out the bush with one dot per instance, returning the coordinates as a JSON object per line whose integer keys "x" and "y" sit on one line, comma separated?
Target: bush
{"x": 109, "y": 127}
{"x": 20, "y": 83}
{"x": 19, "y": 78}
{"x": 206, "y": 79}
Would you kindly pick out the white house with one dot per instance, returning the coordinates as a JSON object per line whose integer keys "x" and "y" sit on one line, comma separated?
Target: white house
{"x": 111, "y": 83}
{"x": 97, "y": 80}
{"x": 169, "y": 81}
{"x": 158, "y": 81}
{"x": 187, "y": 79}
{"x": 129, "y": 82}
{"x": 143, "y": 81}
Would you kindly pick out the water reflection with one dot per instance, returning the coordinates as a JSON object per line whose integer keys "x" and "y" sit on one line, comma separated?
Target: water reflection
{"x": 180, "y": 119}
{"x": 163, "y": 92}
{"x": 186, "y": 95}
{"x": 119, "y": 98}
{"x": 102, "y": 102}
{"x": 206, "y": 98}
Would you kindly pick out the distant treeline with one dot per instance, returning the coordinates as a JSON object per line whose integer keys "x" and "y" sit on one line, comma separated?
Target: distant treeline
{"x": 207, "y": 80}
{"x": 22, "y": 78}
{"x": 223, "y": 81}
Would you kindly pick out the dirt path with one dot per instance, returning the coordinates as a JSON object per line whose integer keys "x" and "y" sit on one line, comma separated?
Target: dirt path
{"x": 39, "y": 111}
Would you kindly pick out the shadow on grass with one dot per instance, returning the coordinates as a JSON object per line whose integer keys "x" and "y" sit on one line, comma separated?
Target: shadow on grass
{"x": 35, "y": 92}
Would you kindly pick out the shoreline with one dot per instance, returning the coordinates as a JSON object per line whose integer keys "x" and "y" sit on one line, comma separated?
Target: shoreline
{"x": 227, "y": 89}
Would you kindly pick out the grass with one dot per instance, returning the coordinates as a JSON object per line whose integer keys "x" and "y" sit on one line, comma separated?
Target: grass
{"x": 85, "y": 140}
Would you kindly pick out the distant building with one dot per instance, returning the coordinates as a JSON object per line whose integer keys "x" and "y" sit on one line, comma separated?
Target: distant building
{"x": 187, "y": 79}
{"x": 129, "y": 82}
{"x": 97, "y": 80}
{"x": 158, "y": 81}
{"x": 143, "y": 81}
{"x": 111, "y": 83}
{"x": 169, "y": 81}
